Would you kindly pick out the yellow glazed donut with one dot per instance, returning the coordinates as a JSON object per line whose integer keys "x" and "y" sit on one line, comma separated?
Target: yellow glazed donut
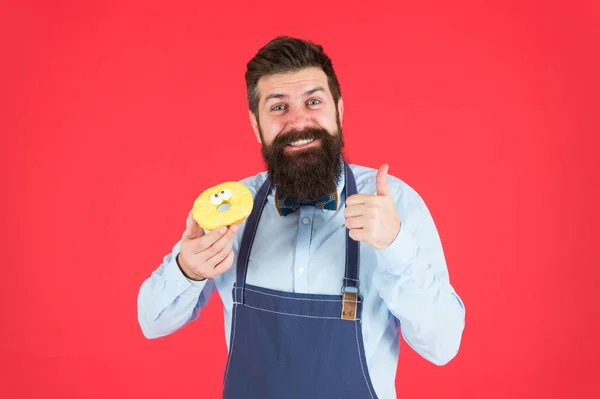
{"x": 223, "y": 205}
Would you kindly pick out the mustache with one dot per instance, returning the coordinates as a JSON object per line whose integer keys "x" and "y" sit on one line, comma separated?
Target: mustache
{"x": 294, "y": 135}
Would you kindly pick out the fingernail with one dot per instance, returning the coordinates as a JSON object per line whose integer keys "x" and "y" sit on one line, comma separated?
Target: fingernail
{"x": 235, "y": 227}
{"x": 222, "y": 229}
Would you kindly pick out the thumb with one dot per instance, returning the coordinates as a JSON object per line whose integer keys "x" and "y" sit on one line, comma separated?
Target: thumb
{"x": 381, "y": 181}
{"x": 192, "y": 229}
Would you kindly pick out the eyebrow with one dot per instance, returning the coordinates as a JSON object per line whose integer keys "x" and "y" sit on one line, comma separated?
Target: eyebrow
{"x": 306, "y": 93}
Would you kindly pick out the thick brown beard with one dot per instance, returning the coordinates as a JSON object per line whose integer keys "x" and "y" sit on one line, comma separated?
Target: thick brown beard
{"x": 306, "y": 174}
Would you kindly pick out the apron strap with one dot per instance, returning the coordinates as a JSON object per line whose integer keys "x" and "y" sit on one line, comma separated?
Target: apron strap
{"x": 352, "y": 246}
{"x": 249, "y": 234}
{"x": 350, "y": 283}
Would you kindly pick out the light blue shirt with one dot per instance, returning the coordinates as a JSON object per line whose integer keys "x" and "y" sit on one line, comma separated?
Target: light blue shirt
{"x": 406, "y": 284}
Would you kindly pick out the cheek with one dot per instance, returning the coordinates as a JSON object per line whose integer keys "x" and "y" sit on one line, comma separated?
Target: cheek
{"x": 328, "y": 123}
{"x": 271, "y": 130}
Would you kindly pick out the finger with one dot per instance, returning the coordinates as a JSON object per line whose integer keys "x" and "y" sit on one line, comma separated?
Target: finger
{"x": 192, "y": 229}
{"x": 355, "y": 222}
{"x": 217, "y": 258}
{"x": 357, "y": 210}
{"x": 357, "y": 234}
{"x": 209, "y": 239}
{"x": 222, "y": 244}
{"x": 223, "y": 266}
{"x": 381, "y": 181}
{"x": 359, "y": 199}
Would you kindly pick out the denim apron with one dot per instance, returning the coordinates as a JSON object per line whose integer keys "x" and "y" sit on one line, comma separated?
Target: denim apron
{"x": 286, "y": 345}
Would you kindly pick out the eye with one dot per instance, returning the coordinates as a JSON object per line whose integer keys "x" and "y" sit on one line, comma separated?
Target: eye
{"x": 216, "y": 199}
{"x": 314, "y": 101}
{"x": 226, "y": 194}
{"x": 279, "y": 107}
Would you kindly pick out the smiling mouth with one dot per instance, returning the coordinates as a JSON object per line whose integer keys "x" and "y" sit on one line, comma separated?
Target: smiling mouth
{"x": 302, "y": 144}
{"x": 299, "y": 143}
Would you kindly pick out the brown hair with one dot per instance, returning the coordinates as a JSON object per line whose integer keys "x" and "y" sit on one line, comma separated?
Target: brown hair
{"x": 287, "y": 54}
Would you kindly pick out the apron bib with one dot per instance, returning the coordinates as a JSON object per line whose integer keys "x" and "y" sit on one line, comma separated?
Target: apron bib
{"x": 288, "y": 345}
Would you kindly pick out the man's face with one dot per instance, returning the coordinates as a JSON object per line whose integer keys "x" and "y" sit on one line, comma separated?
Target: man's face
{"x": 299, "y": 127}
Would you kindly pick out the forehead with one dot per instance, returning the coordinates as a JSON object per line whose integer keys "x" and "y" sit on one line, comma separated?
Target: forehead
{"x": 292, "y": 83}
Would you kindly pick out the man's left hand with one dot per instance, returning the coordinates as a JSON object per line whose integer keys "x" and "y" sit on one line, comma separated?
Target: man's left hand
{"x": 373, "y": 218}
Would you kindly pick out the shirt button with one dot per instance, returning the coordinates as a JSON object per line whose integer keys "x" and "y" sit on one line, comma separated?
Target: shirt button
{"x": 300, "y": 270}
{"x": 305, "y": 220}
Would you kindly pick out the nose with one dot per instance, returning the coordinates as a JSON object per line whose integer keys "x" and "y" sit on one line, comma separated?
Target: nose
{"x": 298, "y": 118}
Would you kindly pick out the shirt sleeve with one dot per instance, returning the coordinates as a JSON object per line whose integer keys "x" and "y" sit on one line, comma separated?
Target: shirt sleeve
{"x": 413, "y": 280}
{"x": 168, "y": 300}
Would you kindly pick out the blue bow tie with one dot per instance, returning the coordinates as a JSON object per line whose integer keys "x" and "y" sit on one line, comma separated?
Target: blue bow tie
{"x": 285, "y": 207}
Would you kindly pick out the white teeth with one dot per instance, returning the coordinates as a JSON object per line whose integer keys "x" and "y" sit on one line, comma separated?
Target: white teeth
{"x": 301, "y": 142}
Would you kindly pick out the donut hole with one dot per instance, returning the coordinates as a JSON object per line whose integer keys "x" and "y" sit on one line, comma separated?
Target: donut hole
{"x": 224, "y": 206}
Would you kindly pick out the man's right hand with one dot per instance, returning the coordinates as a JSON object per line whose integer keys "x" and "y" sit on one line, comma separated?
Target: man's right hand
{"x": 206, "y": 255}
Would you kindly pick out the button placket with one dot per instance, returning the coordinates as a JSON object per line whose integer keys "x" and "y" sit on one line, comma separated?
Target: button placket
{"x": 302, "y": 257}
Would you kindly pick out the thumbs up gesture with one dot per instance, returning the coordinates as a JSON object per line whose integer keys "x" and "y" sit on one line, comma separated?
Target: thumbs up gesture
{"x": 373, "y": 218}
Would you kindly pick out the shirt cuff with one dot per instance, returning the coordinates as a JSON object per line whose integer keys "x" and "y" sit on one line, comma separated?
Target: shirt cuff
{"x": 400, "y": 254}
{"x": 174, "y": 276}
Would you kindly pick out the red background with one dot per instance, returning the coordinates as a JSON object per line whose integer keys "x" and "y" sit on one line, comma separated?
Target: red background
{"x": 116, "y": 116}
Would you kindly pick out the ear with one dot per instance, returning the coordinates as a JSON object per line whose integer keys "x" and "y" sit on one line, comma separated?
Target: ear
{"x": 341, "y": 110}
{"x": 254, "y": 124}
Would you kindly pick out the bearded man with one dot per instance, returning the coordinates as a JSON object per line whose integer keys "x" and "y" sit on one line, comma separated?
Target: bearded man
{"x": 334, "y": 264}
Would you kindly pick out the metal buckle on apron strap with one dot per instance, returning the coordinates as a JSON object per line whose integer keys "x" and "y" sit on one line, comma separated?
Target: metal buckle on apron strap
{"x": 349, "y": 304}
